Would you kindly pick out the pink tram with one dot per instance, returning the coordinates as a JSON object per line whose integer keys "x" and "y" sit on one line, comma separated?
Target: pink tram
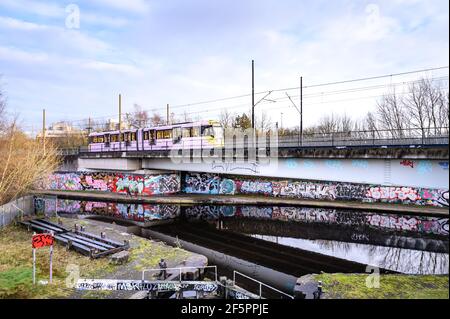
{"x": 191, "y": 135}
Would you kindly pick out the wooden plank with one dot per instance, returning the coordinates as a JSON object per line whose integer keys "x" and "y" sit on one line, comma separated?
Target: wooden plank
{"x": 83, "y": 242}
{"x": 92, "y": 241}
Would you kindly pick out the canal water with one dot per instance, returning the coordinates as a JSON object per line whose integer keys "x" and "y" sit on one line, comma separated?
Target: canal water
{"x": 396, "y": 243}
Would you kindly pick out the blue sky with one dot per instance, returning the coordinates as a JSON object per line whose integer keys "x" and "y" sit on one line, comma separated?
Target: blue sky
{"x": 178, "y": 52}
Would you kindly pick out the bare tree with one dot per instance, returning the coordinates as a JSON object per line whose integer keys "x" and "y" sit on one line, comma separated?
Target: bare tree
{"x": 263, "y": 122}
{"x": 24, "y": 161}
{"x": 157, "y": 120}
{"x": 139, "y": 118}
{"x": 226, "y": 118}
{"x": 391, "y": 115}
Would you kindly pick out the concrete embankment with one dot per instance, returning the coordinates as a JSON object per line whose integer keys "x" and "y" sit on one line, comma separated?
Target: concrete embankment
{"x": 197, "y": 199}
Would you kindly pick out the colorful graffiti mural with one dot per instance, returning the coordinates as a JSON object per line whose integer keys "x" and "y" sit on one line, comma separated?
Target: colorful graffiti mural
{"x": 206, "y": 183}
{"x": 135, "y": 212}
{"x": 213, "y": 184}
{"x": 114, "y": 182}
{"x": 424, "y": 225}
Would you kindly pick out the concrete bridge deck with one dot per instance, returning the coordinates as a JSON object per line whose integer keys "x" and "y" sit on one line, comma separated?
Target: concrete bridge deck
{"x": 198, "y": 199}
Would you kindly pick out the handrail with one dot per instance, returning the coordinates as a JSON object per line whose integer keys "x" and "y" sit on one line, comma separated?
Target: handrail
{"x": 260, "y": 284}
{"x": 180, "y": 269}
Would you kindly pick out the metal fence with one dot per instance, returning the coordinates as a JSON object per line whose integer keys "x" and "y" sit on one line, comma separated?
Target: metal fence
{"x": 372, "y": 138}
{"x": 17, "y": 208}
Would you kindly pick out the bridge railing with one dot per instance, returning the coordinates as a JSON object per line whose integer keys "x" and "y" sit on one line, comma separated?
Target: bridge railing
{"x": 377, "y": 138}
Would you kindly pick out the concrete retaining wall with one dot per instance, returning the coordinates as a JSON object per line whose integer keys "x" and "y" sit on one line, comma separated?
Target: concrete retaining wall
{"x": 9, "y": 211}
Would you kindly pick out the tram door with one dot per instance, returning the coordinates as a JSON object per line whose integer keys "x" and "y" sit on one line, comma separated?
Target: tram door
{"x": 152, "y": 137}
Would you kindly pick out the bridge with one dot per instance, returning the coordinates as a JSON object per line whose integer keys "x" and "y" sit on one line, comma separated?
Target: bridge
{"x": 406, "y": 157}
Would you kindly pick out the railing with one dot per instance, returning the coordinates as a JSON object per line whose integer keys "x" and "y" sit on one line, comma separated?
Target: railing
{"x": 261, "y": 284}
{"x": 180, "y": 269}
{"x": 373, "y": 138}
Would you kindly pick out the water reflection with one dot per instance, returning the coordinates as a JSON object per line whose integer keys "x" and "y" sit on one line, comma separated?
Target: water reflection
{"x": 397, "y": 259}
{"x": 409, "y": 244}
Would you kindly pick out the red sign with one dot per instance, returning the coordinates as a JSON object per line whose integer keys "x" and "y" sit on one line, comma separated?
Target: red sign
{"x": 42, "y": 240}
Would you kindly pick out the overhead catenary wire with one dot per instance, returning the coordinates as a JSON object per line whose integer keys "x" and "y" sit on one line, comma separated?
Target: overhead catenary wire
{"x": 306, "y": 96}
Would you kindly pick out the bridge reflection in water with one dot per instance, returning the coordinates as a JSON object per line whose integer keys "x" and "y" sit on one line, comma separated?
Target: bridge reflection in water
{"x": 407, "y": 244}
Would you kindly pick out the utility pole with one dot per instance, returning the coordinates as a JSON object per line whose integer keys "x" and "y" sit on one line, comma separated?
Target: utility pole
{"x": 89, "y": 125}
{"x": 43, "y": 129}
{"x": 167, "y": 115}
{"x": 301, "y": 110}
{"x": 253, "y": 94}
{"x": 120, "y": 121}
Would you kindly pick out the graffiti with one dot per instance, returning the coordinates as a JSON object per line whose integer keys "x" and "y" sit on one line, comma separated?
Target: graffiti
{"x": 210, "y": 212}
{"x": 42, "y": 240}
{"x": 291, "y": 163}
{"x": 308, "y": 190}
{"x": 63, "y": 181}
{"x": 132, "y": 212}
{"x": 255, "y": 187}
{"x": 333, "y": 164}
{"x": 444, "y": 165}
{"x": 227, "y": 186}
{"x": 359, "y": 237}
{"x": 443, "y": 198}
{"x": 141, "y": 285}
{"x": 350, "y": 191}
{"x": 393, "y": 193}
{"x": 407, "y": 223}
{"x": 402, "y": 223}
{"x": 229, "y": 167}
{"x": 360, "y": 163}
{"x": 114, "y": 182}
{"x": 202, "y": 183}
{"x": 407, "y": 163}
{"x": 424, "y": 167}
{"x": 308, "y": 164}
{"x": 39, "y": 205}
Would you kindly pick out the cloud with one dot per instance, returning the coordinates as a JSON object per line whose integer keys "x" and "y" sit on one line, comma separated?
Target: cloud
{"x": 135, "y": 6}
{"x": 14, "y": 54}
{"x": 46, "y": 9}
{"x": 11, "y": 23}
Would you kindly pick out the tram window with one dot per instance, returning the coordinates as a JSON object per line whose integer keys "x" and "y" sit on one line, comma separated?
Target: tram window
{"x": 146, "y": 135}
{"x": 164, "y": 134}
{"x": 207, "y": 130}
{"x": 187, "y": 131}
{"x": 115, "y": 138}
{"x": 195, "y": 132}
{"x": 133, "y": 136}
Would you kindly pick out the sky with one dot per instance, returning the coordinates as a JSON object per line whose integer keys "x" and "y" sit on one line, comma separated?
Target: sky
{"x": 73, "y": 58}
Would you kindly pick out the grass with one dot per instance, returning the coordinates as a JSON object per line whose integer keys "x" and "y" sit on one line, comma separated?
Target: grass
{"x": 16, "y": 267}
{"x": 148, "y": 254}
{"x": 353, "y": 286}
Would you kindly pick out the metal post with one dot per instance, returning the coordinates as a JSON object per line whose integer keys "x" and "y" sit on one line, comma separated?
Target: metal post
{"x": 43, "y": 129}
{"x": 168, "y": 114}
{"x": 301, "y": 110}
{"x": 120, "y": 121}
{"x": 260, "y": 290}
{"x": 34, "y": 264}
{"x": 51, "y": 260}
{"x": 253, "y": 94}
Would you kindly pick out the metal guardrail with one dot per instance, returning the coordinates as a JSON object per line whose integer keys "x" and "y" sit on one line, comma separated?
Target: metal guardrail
{"x": 375, "y": 138}
{"x": 180, "y": 269}
{"x": 261, "y": 284}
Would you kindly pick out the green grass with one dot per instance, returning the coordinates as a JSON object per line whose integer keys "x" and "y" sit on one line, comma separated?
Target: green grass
{"x": 147, "y": 254}
{"x": 16, "y": 267}
{"x": 353, "y": 286}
